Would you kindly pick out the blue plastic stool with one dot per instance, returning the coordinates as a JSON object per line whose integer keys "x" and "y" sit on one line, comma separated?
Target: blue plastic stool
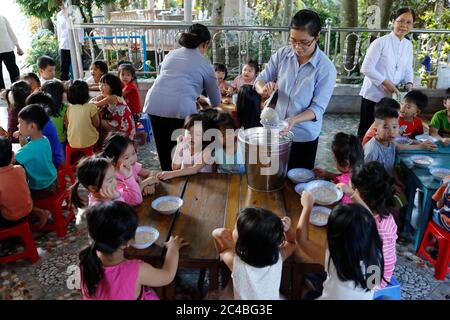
{"x": 390, "y": 292}
{"x": 145, "y": 121}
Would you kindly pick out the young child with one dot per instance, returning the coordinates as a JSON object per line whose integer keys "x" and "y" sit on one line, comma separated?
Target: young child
{"x": 116, "y": 116}
{"x": 348, "y": 153}
{"x": 97, "y": 175}
{"x": 373, "y": 187}
{"x": 15, "y": 98}
{"x": 442, "y": 198}
{"x": 248, "y": 107}
{"x": 56, "y": 90}
{"x": 354, "y": 245}
{"x": 49, "y": 130}
{"x": 33, "y": 80}
{"x": 97, "y": 69}
{"x": 120, "y": 150}
{"x": 221, "y": 75}
{"x": 440, "y": 123}
{"x": 130, "y": 92}
{"x": 105, "y": 273}
{"x": 81, "y": 119}
{"x": 254, "y": 252}
{"x": 15, "y": 198}
{"x": 248, "y": 76}
{"x": 46, "y": 68}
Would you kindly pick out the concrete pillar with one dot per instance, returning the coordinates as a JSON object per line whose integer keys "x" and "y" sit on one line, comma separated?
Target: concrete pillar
{"x": 188, "y": 11}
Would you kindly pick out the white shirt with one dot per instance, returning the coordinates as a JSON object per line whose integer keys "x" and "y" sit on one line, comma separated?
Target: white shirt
{"x": 251, "y": 283}
{"x": 8, "y": 39}
{"x": 336, "y": 289}
{"x": 62, "y": 27}
{"x": 389, "y": 58}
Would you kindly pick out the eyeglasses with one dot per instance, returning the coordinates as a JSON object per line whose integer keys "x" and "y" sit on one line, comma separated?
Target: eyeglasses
{"x": 407, "y": 22}
{"x": 303, "y": 44}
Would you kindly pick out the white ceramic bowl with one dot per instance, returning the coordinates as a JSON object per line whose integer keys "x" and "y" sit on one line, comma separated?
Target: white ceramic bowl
{"x": 319, "y": 216}
{"x": 313, "y": 187}
{"x": 439, "y": 173}
{"x": 300, "y": 175}
{"x": 425, "y": 137}
{"x": 151, "y": 233}
{"x": 158, "y": 202}
{"x": 422, "y": 161}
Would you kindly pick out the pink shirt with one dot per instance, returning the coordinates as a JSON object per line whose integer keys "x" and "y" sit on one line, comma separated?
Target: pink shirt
{"x": 119, "y": 283}
{"x": 137, "y": 167}
{"x": 131, "y": 191}
{"x": 93, "y": 201}
{"x": 239, "y": 81}
{"x": 387, "y": 229}
{"x": 344, "y": 178}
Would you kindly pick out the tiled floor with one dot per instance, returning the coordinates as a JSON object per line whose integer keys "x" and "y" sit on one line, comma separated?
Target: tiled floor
{"x": 48, "y": 278}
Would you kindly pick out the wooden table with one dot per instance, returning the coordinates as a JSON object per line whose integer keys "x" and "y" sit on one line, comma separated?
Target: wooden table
{"x": 213, "y": 200}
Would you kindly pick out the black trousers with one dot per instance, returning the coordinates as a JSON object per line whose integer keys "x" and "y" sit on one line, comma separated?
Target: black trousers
{"x": 65, "y": 64}
{"x": 366, "y": 117}
{"x": 303, "y": 154}
{"x": 162, "y": 131}
{"x": 9, "y": 59}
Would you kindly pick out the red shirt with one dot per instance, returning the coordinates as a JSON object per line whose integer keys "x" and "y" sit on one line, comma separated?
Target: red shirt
{"x": 131, "y": 95}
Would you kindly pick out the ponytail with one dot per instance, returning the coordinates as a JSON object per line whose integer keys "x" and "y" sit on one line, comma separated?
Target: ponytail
{"x": 76, "y": 199}
{"x": 196, "y": 35}
{"x": 91, "y": 269}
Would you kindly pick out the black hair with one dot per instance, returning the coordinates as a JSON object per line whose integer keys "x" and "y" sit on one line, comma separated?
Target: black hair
{"x": 100, "y": 64}
{"x": 347, "y": 149}
{"x": 91, "y": 171}
{"x": 115, "y": 145}
{"x": 248, "y": 107}
{"x": 224, "y": 120}
{"x": 387, "y": 108}
{"x": 260, "y": 234}
{"x": 126, "y": 65}
{"x": 447, "y": 94}
{"x": 114, "y": 83}
{"x": 31, "y": 75}
{"x": 20, "y": 91}
{"x": 205, "y": 117}
{"x": 401, "y": 11}
{"x": 34, "y": 113}
{"x": 45, "y": 100}
{"x": 110, "y": 225}
{"x": 353, "y": 238}
{"x": 78, "y": 92}
{"x": 56, "y": 90}
{"x": 419, "y": 98}
{"x": 196, "y": 35}
{"x": 5, "y": 151}
{"x": 253, "y": 64}
{"x": 387, "y": 103}
{"x": 307, "y": 20}
{"x": 219, "y": 67}
{"x": 45, "y": 61}
{"x": 375, "y": 186}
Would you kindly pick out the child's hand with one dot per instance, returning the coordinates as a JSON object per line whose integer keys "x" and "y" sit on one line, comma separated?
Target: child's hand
{"x": 268, "y": 88}
{"x": 165, "y": 175}
{"x": 176, "y": 243}
{"x": 109, "y": 193}
{"x": 126, "y": 170}
{"x": 428, "y": 145}
{"x": 345, "y": 188}
{"x": 286, "y": 221}
{"x": 307, "y": 199}
{"x": 446, "y": 142}
{"x": 16, "y": 134}
{"x": 148, "y": 190}
{"x": 112, "y": 100}
{"x": 320, "y": 173}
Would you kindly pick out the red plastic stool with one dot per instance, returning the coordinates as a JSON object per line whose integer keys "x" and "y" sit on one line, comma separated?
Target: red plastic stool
{"x": 443, "y": 237}
{"x": 89, "y": 151}
{"x": 23, "y": 231}
{"x": 55, "y": 202}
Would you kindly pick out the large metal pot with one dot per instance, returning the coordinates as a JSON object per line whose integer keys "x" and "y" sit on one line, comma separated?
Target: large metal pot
{"x": 266, "y": 157}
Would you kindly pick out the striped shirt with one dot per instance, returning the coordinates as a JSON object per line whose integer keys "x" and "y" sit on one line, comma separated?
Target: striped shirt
{"x": 387, "y": 229}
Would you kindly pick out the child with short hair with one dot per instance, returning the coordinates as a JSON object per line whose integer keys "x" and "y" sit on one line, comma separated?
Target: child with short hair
{"x": 15, "y": 198}
{"x": 353, "y": 245}
{"x": 348, "y": 153}
{"x": 56, "y": 90}
{"x": 254, "y": 252}
{"x": 440, "y": 123}
{"x": 248, "y": 76}
{"x": 221, "y": 75}
{"x": 15, "y": 98}
{"x": 442, "y": 197}
{"x": 97, "y": 69}
{"x": 33, "y": 80}
{"x": 105, "y": 272}
{"x": 130, "y": 92}
{"x": 46, "y": 68}
{"x": 248, "y": 107}
{"x": 82, "y": 118}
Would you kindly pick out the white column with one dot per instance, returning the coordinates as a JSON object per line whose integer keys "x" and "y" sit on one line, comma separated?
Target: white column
{"x": 75, "y": 50}
{"x": 188, "y": 11}
{"x": 243, "y": 10}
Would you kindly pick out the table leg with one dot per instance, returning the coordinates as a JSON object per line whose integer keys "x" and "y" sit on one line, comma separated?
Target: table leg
{"x": 423, "y": 218}
{"x": 214, "y": 276}
{"x": 412, "y": 186}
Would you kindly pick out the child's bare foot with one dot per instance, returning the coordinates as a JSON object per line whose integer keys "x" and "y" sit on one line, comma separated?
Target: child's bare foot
{"x": 42, "y": 216}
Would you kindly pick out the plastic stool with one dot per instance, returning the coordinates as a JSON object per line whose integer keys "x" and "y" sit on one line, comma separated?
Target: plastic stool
{"x": 23, "y": 231}
{"x": 89, "y": 151}
{"x": 443, "y": 239}
{"x": 145, "y": 121}
{"x": 390, "y": 292}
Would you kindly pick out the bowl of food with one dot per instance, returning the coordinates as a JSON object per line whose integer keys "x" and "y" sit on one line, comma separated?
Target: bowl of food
{"x": 325, "y": 193}
{"x": 439, "y": 173}
{"x": 167, "y": 204}
{"x": 402, "y": 140}
{"x": 319, "y": 216}
{"x": 145, "y": 236}
{"x": 426, "y": 137}
{"x": 422, "y": 161}
{"x": 299, "y": 175}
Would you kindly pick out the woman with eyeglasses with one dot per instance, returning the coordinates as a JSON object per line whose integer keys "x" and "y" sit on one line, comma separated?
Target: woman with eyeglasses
{"x": 305, "y": 79}
{"x": 388, "y": 63}
{"x": 184, "y": 74}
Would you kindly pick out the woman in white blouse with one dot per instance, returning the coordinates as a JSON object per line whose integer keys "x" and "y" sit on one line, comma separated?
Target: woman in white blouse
{"x": 8, "y": 41}
{"x": 388, "y": 63}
